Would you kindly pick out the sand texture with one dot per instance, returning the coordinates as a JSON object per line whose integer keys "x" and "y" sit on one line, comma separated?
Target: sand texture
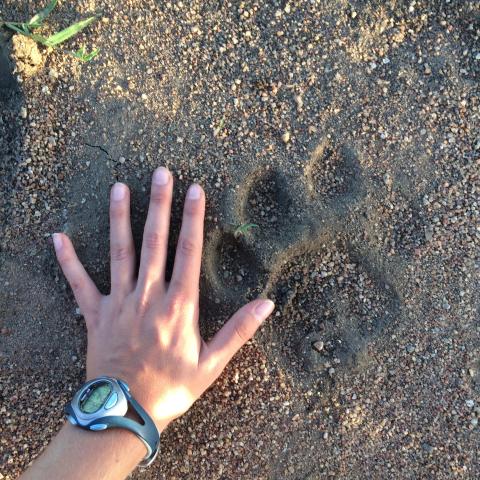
{"x": 349, "y": 133}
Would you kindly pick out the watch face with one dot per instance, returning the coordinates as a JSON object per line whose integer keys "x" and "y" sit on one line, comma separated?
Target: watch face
{"x": 94, "y": 397}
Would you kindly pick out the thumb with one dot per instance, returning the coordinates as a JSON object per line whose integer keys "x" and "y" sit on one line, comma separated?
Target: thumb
{"x": 233, "y": 335}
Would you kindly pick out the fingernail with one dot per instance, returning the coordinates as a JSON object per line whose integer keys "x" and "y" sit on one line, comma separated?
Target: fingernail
{"x": 57, "y": 241}
{"x": 119, "y": 191}
{"x": 264, "y": 309}
{"x": 194, "y": 192}
{"x": 161, "y": 176}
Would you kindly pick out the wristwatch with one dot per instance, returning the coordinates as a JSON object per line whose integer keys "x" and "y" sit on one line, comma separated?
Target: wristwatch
{"x": 103, "y": 402}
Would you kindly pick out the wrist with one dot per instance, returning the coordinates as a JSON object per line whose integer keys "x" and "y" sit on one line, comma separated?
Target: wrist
{"x": 75, "y": 454}
{"x": 113, "y": 441}
{"x": 105, "y": 403}
{"x": 147, "y": 399}
{"x": 160, "y": 424}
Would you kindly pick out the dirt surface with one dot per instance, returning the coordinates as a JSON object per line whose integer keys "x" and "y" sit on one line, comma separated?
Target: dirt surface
{"x": 349, "y": 132}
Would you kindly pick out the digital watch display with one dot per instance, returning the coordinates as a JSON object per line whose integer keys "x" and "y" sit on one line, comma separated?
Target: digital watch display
{"x": 94, "y": 397}
{"x": 103, "y": 402}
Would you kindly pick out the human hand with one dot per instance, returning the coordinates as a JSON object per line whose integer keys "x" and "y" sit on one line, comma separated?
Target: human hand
{"x": 146, "y": 330}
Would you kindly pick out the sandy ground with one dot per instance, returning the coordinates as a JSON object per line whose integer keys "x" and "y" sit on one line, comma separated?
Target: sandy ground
{"x": 349, "y": 132}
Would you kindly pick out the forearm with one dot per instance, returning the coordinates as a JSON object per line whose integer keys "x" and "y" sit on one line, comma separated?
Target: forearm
{"x": 78, "y": 454}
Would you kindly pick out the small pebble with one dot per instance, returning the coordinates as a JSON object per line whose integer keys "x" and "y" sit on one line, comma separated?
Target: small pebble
{"x": 387, "y": 179}
{"x": 299, "y": 101}
{"x": 427, "y": 447}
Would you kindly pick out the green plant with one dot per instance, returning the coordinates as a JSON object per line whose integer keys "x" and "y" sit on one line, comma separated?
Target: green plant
{"x": 244, "y": 229}
{"x": 82, "y": 54}
{"x": 27, "y": 28}
{"x": 218, "y": 129}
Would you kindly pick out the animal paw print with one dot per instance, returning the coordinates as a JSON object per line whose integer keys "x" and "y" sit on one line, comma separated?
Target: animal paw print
{"x": 232, "y": 267}
{"x": 331, "y": 301}
{"x": 333, "y": 172}
{"x": 267, "y": 202}
{"x": 331, "y": 304}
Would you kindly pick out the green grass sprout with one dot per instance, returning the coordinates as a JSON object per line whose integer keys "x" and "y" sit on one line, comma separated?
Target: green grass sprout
{"x": 217, "y": 130}
{"x": 82, "y": 54}
{"x": 27, "y": 28}
{"x": 37, "y": 20}
{"x": 68, "y": 32}
{"x": 244, "y": 229}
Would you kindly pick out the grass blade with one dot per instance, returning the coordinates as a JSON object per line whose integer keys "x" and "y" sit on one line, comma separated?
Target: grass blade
{"x": 38, "y": 39}
{"x": 37, "y": 20}
{"x": 91, "y": 55}
{"x": 23, "y": 30}
{"x": 244, "y": 229}
{"x": 69, "y": 32}
{"x": 82, "y": 54}
{"x": 18, "y": 27}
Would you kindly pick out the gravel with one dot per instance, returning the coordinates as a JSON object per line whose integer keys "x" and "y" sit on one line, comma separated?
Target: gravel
{"x": 349, "y": 133}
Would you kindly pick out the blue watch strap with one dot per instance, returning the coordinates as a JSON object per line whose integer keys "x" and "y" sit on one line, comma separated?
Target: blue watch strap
{"x": 147, "y": 432}
{"x": 149, "y": 437}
